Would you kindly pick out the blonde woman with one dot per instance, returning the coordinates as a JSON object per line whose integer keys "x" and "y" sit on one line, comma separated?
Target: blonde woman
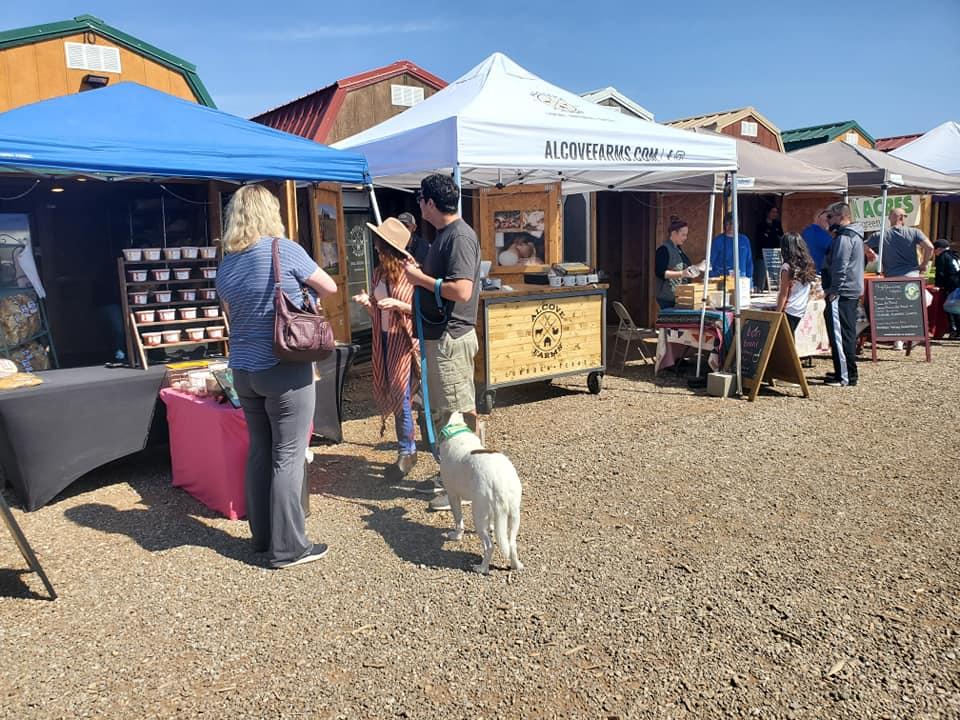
{"x": 277, "y": 397}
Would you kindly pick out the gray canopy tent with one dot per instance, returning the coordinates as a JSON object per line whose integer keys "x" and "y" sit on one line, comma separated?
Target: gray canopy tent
{"x": 870, "y": 170}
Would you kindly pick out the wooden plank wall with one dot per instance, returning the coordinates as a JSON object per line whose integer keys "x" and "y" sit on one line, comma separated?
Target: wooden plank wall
{"x": 626, "y": 240}
{"x": 38, "y": 71}
{"x": 765, "y": 138}
{"x": 370, "y": 105}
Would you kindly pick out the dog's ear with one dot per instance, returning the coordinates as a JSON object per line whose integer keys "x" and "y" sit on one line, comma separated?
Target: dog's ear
{"x": 455, "y": 419}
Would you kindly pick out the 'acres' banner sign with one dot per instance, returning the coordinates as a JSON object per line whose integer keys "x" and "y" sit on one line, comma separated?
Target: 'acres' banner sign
{"x": 869, "y": 210}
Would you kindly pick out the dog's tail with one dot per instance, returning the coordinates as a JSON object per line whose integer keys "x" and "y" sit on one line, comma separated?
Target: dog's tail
{"x": 514, "y": 530}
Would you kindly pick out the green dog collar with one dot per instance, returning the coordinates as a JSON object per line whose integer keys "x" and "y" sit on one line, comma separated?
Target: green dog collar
{"x": 453, "y": 430}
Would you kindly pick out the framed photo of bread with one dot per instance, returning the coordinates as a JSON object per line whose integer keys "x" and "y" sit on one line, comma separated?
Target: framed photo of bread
{"x": 520, "y": 227}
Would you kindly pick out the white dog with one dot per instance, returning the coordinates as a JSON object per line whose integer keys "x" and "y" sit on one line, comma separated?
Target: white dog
{"x": 490, "y": 481}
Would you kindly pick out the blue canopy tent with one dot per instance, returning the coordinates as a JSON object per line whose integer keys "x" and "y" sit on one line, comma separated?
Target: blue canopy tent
{"x": 131, "y": 131}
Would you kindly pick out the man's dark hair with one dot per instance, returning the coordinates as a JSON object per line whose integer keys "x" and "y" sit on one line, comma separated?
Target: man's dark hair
{"x": 442, "y": 190}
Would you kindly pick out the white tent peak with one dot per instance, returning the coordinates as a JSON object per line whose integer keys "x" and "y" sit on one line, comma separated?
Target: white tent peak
{"x": 501, "y": 123}
{"x": 938, "y": 149}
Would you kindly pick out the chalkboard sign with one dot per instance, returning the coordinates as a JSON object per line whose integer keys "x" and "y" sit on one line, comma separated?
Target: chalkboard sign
{"x": 898, "y": 311}
{"x": 754, "y": 334}
{"x": 767, "y": 352}
{"x": 773, "y": 261}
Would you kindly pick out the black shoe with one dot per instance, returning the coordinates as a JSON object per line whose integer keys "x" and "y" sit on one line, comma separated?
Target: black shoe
{"x": 315, "y": 553}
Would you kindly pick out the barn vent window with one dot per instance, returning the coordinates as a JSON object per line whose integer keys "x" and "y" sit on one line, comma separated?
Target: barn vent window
{"x": 83, "y": 56}
{"x": 405, "y": 95}
{"x": 748, "y": 129}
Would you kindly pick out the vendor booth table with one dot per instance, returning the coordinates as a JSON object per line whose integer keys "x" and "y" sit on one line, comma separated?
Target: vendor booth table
{"x": 679, "y": 334}
{"x": 76, "y": 421}
{"x": 534, "y": 333}
{"x": 209, "y": 442}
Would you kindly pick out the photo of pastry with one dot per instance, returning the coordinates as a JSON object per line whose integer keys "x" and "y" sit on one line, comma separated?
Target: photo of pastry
{"x": 521, "y": 248}
{"x": 533, "y": 221}
{"x": 506, "y": 220}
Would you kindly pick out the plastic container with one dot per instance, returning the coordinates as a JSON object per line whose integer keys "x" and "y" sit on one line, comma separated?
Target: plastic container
{"x": 162, "y": 296}
{"x": 207, "y": 293}
{"x": 137, "y": 275}
{"x": 215, "y": 332}
{"x": 189, "y": 253}
{"x": 555, "y": 280}
{"x": 138, "y": 298}
{"x": 171, "y": 336}
{"x": 145, "y": 316}
{"x": 194, "y": 333}
{"x": 209, "y": 252}
{"x": 151, "y": 254}
{"x": 580, "y": 279}
{"x": 569, "y": 280}
{"x": 188, "y": 313}
{"x": 181, "y": 273}
{"x": 210, "y": 311}
{"x": 171, "y": 253}
{"x": 166, "y": 314}
{"x": 161, "y": 274}
{"x": 133, "y": 254}
{"x": 189, "y": 295}
{"x": 209, "y": 273}
{"x": 152, "y": 338}
{"x": 593, "y": 278}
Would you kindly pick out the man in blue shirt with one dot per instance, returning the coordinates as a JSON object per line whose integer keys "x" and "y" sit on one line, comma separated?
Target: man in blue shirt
{"x": 721, "y": 252}
{"x": 818, "y": 239}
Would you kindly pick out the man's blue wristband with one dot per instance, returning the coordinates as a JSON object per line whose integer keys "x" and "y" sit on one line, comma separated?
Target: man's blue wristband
{"x": 436, "y": 291}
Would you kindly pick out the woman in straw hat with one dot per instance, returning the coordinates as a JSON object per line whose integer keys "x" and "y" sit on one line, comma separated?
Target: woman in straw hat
{"x": 395, "y": 347}
{"x": 277, "y": 397}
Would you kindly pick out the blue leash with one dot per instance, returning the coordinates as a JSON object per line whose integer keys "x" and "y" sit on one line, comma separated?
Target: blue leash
{"x": 424, "y": 390}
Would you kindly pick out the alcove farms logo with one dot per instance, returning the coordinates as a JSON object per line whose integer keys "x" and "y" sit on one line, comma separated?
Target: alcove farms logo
{"x": 547, "y": 330}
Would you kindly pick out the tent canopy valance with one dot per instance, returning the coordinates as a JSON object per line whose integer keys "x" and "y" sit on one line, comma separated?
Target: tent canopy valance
{"x": 500, "y": 123}
{"x": 870, "y": 170}
{"x": 131, "y": 131}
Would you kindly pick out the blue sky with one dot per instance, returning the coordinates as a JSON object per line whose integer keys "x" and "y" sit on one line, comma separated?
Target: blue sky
{"x": 893, "y": 66}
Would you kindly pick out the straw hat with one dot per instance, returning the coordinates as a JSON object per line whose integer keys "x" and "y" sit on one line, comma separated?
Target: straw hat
{"x": 394, "y": 234}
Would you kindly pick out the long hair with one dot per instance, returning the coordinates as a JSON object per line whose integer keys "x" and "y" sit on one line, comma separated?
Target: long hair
{"x": 252, "y": 213}
{"x": 391, "y": 264}
{"x": 796, "y": 254}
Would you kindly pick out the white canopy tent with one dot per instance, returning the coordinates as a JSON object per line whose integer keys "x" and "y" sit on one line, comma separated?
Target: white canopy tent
{"x": 500, "y": 125}
{"x": 938, "y": 149}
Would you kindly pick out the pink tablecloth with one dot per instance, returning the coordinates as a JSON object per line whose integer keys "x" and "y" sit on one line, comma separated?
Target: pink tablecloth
{"x": 208, "y": 450}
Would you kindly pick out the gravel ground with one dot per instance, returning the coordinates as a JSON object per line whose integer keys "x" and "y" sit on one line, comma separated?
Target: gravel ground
{"x": 686, "y": 557}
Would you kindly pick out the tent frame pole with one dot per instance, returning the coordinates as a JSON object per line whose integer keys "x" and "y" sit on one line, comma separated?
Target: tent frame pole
{"x": 706, "y": 276}
{"x": 736, "y": 278}
{"x": 459, "y": 181}
{"x": 374, "y": 205}
{"x": 883, "y": 229}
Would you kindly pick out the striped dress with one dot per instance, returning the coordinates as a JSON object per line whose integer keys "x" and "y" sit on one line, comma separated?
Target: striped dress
{"x": 403, "y": 350}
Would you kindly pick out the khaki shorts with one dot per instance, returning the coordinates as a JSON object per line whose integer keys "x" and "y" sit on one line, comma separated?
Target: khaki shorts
{"x": 450, "y": 374}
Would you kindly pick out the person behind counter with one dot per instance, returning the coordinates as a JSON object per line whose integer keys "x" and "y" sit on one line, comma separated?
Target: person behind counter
{"x": 277, "y": 397}
{"x": 768, "y": 235}
{"x": 395, "y": 347}
{"x": 796, "y": 275}
{"x": 721, "y": 252}
{"x": 671, "y": 265}
{"x": 418, "y": 246}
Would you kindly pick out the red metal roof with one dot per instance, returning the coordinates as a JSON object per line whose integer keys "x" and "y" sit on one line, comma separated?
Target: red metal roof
{"x": 312, "y": 115}
{"x": 892, "y": 143}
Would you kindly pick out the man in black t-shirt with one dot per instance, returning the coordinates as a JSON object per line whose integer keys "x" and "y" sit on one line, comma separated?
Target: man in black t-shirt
{"x": 450, "y": 338}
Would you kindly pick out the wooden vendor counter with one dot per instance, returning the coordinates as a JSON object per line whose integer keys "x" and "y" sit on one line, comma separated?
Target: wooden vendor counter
{"x": 535, "y": 333}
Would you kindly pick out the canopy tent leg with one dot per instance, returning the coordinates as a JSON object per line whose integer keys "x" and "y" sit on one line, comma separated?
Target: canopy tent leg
{"x": 883, "y": 229}
{"x": 706, "y": 278}
{"x": 459, "y": 181}
{"x": 736, "y": 278}
{"x": 373, "y": 204}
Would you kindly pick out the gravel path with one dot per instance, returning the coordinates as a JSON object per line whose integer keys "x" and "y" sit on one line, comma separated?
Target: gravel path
{"x": 686, "y": 557}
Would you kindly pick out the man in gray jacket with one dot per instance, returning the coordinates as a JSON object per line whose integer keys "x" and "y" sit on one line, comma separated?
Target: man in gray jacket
{"x": 845, "y": 260}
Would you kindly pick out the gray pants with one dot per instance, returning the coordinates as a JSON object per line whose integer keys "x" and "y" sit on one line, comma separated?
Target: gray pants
{"x": 278, "y": 404}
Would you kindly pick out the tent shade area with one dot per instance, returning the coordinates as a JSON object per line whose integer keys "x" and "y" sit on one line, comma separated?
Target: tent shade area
{"x": 938, "y": 149}
{"x": 549, "y": 135}
{"x": 131, "y": 131}
{"x": 868, "y": 169}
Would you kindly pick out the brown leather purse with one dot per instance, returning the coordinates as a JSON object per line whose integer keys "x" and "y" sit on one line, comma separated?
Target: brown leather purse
{"x": 299, "y": 334}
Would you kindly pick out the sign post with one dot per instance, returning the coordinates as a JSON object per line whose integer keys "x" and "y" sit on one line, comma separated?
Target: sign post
{"x": 898, "y": 311}
{"x": 767, "y": 352}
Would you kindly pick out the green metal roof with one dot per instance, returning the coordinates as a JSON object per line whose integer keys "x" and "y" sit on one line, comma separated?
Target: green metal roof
{"x": 85, "y": 23}
{"x": 816, "y": 134}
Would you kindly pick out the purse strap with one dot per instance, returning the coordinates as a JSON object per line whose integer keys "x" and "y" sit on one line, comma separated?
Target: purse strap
{"x": 276, "y": 262}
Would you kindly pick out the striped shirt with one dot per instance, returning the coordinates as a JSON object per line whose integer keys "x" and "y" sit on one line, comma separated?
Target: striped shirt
{"x": 245, "y": 285}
